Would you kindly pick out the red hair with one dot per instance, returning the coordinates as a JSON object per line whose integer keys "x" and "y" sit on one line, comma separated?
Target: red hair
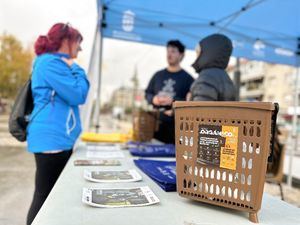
{"x": 53, "y": 40}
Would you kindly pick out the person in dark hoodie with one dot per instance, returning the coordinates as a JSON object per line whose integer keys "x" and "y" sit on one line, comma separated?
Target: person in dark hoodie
{"x": 213, "y": 83}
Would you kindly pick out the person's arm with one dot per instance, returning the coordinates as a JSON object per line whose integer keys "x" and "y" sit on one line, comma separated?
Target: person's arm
{"x": 68, "y": 81}
{"x": 204, "y": 89}
{"x": 149, "y": 92}
{"x": 188, "y": 96}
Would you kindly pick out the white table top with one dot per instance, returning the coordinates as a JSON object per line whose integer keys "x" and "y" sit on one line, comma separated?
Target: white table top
{"x": 64, "y": 206}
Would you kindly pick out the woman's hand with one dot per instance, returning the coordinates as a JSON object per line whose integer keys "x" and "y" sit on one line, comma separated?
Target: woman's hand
{"x": 69, "y": 62}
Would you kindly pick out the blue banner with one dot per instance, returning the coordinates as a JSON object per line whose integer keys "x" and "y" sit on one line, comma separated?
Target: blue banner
{"x": 153, "y": 150}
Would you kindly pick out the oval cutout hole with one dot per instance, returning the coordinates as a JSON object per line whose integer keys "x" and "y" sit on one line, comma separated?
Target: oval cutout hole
{"x": 218, "y": 175}
{"x": 211, "y": 188}
{"x": 201, "y": 172}
{"x": 212, "y": 174}
{"x": 249, "y": 180}
{"x": 230, "y": 177}
{"x": 196, "y": 171}
{"x": 200, "y": 187}
{"x": 217, "y": 190}
{"x": 250, "y": 164}
{"x": 248, "y": 196}
{"x": 250, "y": 148}
{"x": 244, "y": 147}
{"x": 181, "y": 126}
{"x": 235, "y": 193}
{"x": 236, "y": 178}
{"x": 206, "y": 188}
{"x": 186, "y": 141}
{"x": 257, "y": 131}
{"x": 223, "y": 191}
{"x": 251, "y": 131}
{"x": 245, "y": 131}
{"x": 243, "y": 179}
{"x": 242, "y": 197}
{"x": 229, "y": 192}
{"x": 191, "y": 141}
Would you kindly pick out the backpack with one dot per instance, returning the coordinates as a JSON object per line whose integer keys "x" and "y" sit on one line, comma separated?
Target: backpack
{"x": 19, "y": 117}
{"x": 20, "y": 113}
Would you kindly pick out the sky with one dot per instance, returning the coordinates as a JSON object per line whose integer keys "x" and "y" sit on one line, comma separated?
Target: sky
{"x": 27, "y": 19}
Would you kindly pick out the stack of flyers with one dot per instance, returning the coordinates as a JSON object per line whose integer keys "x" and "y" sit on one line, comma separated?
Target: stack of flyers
{"x": 119, "y": 197}
{"x": 104, "y": 154}
{"x": 135, "y": 144}
{"x": 112, "y": 176}
{"x": 106, "y": 147}
{"x": 97, "y": 162}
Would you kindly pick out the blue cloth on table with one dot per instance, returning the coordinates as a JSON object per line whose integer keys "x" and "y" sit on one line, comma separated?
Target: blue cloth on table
{"x": 153, "y": 150}
{"x": 162, "y": 172}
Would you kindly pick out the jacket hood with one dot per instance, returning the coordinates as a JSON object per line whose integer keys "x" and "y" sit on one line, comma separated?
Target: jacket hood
{"x": 216, "y": 50}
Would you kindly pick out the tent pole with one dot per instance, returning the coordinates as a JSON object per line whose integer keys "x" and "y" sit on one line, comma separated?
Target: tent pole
{"x": 98, "y": 98}
{"x": 294, "y": 130}
{"x": 237, "y": 78}
{"x": 87, "y": 110}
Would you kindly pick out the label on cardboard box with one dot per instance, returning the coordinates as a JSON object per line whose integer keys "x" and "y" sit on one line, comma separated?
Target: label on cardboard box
{"x": 217, "y": 145}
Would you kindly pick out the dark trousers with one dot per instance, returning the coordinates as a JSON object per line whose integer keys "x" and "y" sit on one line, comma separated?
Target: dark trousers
{"x": 166, "y": 132}
{"x": 48, "y": 169}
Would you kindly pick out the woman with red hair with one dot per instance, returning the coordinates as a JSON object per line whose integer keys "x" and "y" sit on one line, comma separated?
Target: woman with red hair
{"x": 59, "y": 86}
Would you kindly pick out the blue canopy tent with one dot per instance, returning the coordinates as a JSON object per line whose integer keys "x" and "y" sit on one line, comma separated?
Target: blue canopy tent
{"x": 264, "y": 30}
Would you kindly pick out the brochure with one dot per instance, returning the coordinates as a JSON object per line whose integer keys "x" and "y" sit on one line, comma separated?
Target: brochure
{"x": 104, "y": 154}
{"x": 95, "y": 162}
{"x": 112, "y": 176}
{"x": 119, "y": 197}
{"x": 107, "y": 147}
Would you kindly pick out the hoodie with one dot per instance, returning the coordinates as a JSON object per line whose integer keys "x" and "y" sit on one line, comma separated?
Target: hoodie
{"x": 58, "y": 90}
{"x": 213, "y": 83}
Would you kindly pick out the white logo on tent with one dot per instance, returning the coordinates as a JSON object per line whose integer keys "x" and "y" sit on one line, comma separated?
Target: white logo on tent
{"x": 128, "y": 21}
{"x": 284, "y": 52}
{"x": 237, "y": 44}
{"x": 259, "y": 45}
{"x": 259, "y": 48}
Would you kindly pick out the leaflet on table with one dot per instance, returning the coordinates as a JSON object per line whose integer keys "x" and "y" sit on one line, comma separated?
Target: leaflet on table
{"x": 106, "y": 147}
{"x": 104, "y": 154}
{"x": 112, "y": 176}
{"x": 97, "y": 162}
{"x": 119, "y": 197}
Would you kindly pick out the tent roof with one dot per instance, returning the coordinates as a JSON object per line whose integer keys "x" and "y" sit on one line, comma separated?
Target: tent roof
{"x": 266, "y": 30}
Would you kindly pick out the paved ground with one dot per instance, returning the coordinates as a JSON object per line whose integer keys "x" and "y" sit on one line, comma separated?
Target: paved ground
{"x": 17, "y": 178}
{"x": 16, "y": 185}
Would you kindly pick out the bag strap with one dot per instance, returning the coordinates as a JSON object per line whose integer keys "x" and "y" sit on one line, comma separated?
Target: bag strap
{"x": 51, "y": 100}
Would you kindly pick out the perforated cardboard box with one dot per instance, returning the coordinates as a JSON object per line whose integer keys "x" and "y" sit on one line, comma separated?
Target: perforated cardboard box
{"x": 144, "y": 125}
{"x": 222, "y": 149}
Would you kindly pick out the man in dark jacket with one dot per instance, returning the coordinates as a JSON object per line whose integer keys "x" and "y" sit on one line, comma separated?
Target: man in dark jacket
{"x": 213, "y": 83}
{"x": 167, "y": 85}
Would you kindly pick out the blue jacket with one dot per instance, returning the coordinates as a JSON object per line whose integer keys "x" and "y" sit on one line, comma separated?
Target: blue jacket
{"x": 57, "y": 90}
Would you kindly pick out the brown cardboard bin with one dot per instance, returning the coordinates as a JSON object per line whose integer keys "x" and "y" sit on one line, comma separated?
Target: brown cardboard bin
{"x": 144, "y": 125}
{"x": 222, "y": 150}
